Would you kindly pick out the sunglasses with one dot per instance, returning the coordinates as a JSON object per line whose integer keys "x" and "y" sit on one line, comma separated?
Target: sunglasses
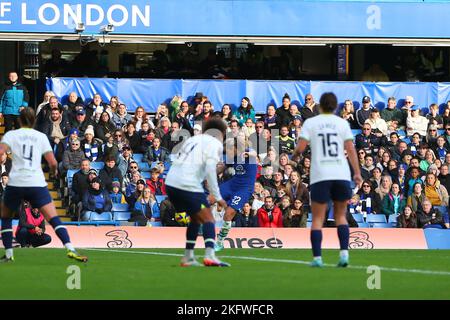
{"x": 447, "y": 129}
{"x": 431, "y": 130}
{"x": 366, "y": 186}
{"x": 367, "y": 129}
{"x": 75, "y": 144}
{"x": 118, "y": 135}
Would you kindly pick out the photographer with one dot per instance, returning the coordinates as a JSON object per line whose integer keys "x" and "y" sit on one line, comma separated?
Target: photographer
{"x": 31, "y": 229}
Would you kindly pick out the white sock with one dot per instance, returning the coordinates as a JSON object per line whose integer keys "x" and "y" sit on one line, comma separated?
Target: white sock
{"x": 69, "y": 246}
{"x": 9, "y": 253}
{"x": 189, "y": 254}
{"x": 319, "y": 258}
{"x": 343, "y": 254}
{"x": 209, "y": 253}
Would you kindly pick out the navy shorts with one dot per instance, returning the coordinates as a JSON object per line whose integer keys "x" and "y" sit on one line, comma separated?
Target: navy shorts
{"x": 335, "y": 190}
{"x": 37, "y": 196}
{"x": 235, "y": 196}
{"x": 185, "y": 201}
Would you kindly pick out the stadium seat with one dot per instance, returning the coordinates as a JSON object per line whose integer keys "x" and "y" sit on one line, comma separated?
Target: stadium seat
{"x": 105, "y": 216}
{"x": 358, "y": 217}
{"x": 401, "y": 133}
{"x": 376, "y": 218}
{"x": 381, "y": 225}
{"x": 120, "y": 207}
{"x": 146, "y": 175}
{"x": 308, "y": 224}
{"x": 356, "y": 131}
{"x": 310, "y": 217}
{"x": 393, "y": 220}
{"x": 138, "y": 157}
{"x": 143, "y": 166}
{"x": 160, "y": 198}
{"x": 363, "y": 225}
{"x": 97, "y": 165}
{"x": 407, "y": 140}
{"x": 121, "y": 215}
{"x": 156, "y": 224}
{"x": 70, "y": 174}
{"x": 15, "y": 222}
{"x": 441, "y": 132}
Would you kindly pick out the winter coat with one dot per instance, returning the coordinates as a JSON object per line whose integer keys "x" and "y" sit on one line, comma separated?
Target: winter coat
{"x": 242, "y": 115}
{"x": 150, "y": 156}
{"x": 264, "y": 220}
{"x": 13, "y": 97}
{"x": 89, "y": 201}
{"x": 72, "y": 159}
{"x": 107, "y": 175}
{"x": 387, "y": 206}
{"x": 120, "y": 121}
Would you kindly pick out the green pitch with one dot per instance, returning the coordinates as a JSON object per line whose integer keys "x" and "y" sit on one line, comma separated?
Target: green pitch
{"x": 254, "y": 274}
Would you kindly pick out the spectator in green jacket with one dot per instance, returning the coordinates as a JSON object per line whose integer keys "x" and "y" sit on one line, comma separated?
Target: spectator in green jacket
{"x": 392, "y": 115}
{"x": 394, "y": 202}
{"x": 245, "y": 111}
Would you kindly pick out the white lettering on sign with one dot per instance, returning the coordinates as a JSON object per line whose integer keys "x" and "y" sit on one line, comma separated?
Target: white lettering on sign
{"x": 56, "y": 14}
{"x": 124, "y": 12}
{"x": 71, "y": 16}
{"x": 4, "y": 8}
{"x": 24, "y": 15}
{"x": 374, "y": 19}
{"x": 90, "y": 14}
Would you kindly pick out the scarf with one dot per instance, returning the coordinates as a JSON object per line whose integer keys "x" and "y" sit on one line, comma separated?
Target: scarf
{"x": 56, "y": 129}
{"x": 91, "y": 151}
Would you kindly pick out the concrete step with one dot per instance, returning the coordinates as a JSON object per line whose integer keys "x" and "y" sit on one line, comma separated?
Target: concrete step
{"x": 2, "y": 130}
{"x": 61, "y": 211}
{"x": 47, "y": 175}
{"x": 58, "y": 204}
{"x": 65, "y": 219}
{"x": 50, "y": 185}
{"x": 54, "y": 195}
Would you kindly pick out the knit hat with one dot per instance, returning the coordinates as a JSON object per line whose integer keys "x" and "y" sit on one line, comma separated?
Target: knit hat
{"x": 74, "y": 131}
{"x": 93, "y": 171}
{"x": 116, "y": 183}
{"x": 96, "y": 179}
{"x": 140, "y": 181}
{"x": 89, "y": 130}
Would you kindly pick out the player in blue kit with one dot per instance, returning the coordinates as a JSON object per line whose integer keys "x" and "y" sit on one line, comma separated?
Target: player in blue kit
{"x": 238, "y": 190}
{"x": 329, "y": 136}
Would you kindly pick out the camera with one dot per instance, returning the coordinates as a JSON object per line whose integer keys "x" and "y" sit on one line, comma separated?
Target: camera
{"x": 79, "y": 27}
{"x": 107, "y": 29}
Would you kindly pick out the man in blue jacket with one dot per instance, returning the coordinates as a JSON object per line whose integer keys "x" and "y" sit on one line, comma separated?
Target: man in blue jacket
{"x": 14, "y": 97}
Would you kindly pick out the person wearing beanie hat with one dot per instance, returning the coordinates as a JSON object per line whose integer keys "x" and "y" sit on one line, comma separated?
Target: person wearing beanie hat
{"x": 116, "y": 195}
{"x": 96, "y": 201}
{"x": 91, "y": 146}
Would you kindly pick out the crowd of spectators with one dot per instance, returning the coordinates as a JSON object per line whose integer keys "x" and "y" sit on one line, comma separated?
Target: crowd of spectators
{"x": 122, "y": 157}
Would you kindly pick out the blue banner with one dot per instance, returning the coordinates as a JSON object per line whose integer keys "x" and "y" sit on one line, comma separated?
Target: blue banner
{"x": 285, "y": 18}
{"x": 149, "y": 93}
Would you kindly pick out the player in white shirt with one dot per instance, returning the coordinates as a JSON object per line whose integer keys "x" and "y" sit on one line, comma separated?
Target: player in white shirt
{"x": 329, "y": 136}
{"x": 27, "y": 182}
{"x": 196, "y": 162}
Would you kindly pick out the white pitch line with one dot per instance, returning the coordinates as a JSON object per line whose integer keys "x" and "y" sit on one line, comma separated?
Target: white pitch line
{"x": 429, "y": 272}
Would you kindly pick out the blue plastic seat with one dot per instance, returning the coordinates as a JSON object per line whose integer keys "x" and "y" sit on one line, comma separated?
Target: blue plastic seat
{"x": 156, "y": 224}
{"x": 146, "y": 175}
{"x": 358, "y": 217}
{"x": 363, "y": 225}
{"x": 70, "y": 174}
{"x": 308, "y": 224}
{"x": 97, "y": 165}
{"x": 393, "y": 220}
{"x": 143, "y": 166}
{"x": 122, "y": 215}
{"x": 376, "y": 218}
{"x": 104, "y": 216}
{"x": 120, "y": 207}
{"x": 160, "y": 198}
{"x": 310, "y": 217}
{"x": 381, "y": 225}
{"x": 355, "y": 132}
{"x": 138, "y": 157}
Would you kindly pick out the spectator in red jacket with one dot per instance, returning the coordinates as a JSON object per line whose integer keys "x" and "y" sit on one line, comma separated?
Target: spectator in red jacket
{"x": 156, "y": 184}
{"x": 269, "y": 215}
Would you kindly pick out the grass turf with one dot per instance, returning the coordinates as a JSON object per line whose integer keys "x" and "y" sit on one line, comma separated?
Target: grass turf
{"x": 41, "y": 274}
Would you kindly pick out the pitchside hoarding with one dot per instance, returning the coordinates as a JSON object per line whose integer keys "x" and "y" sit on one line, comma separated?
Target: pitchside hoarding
{"x": 231, "y": 18}
{"x": 247, "y": 238}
